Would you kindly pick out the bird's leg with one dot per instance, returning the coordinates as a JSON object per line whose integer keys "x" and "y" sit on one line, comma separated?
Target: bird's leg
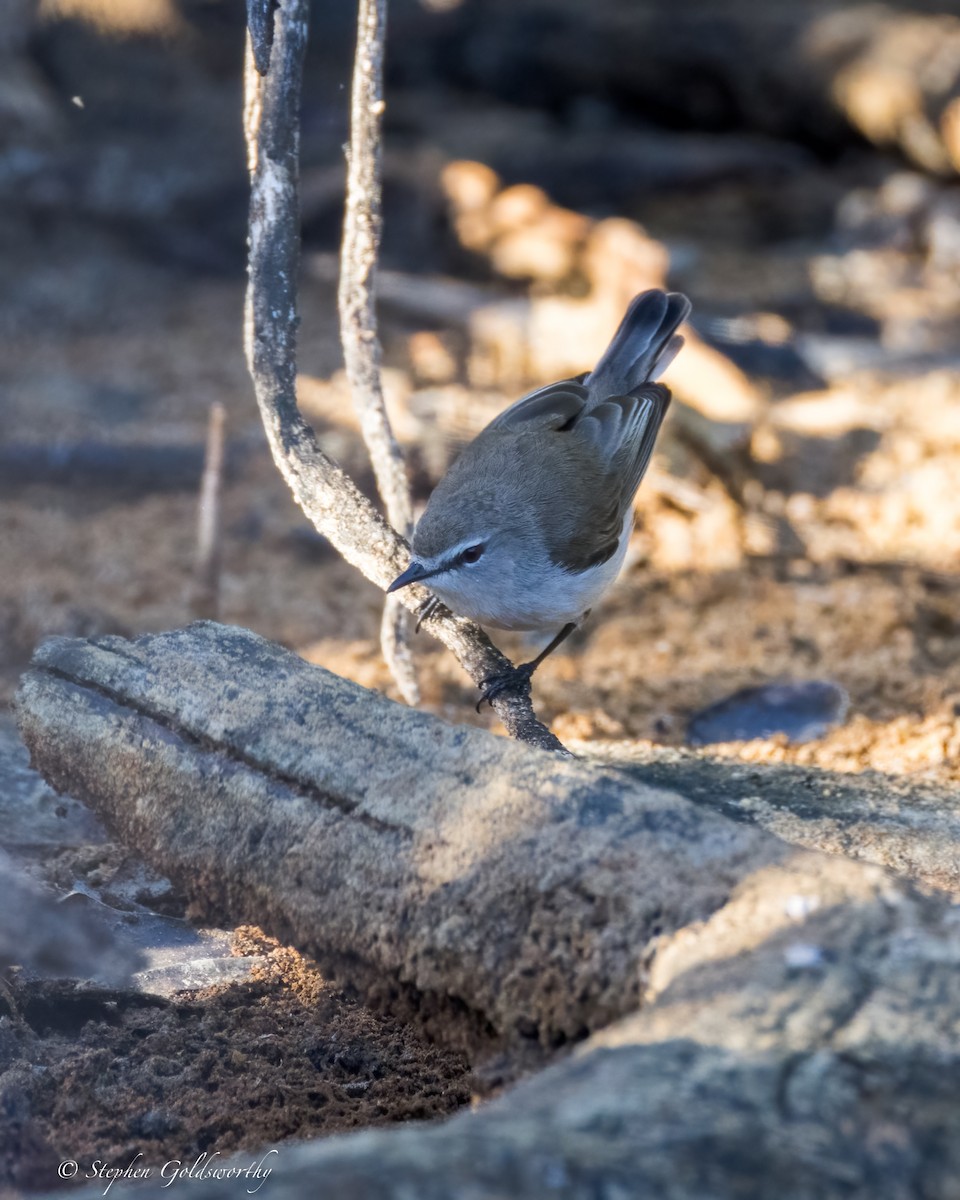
{"x": 518, "y": 678}
{"x": 427, "y": 609}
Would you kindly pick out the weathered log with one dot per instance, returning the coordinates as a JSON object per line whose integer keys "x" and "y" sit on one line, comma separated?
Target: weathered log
{"x": 791, "y": 1019}
{"x": 800, "y": 1033}
{"x": 406, "y": 855}
{"x": 436, "y": 300}
{"x": 106, "y": 467}
{"x": 897, "y": 822}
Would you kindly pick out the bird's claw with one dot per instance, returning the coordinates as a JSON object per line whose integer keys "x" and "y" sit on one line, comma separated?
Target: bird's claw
{"x": 427, "y": 609}
{"x": 515, "y": 679}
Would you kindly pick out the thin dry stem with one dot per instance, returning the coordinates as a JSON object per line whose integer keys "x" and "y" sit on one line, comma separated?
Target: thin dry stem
{"x": 328, "y": 497}
{"x": 206, "y": 589}
{"x": 358, "y": 318}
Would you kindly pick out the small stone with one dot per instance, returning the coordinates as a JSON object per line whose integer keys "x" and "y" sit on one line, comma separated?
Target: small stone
{"x": 800, "y": 711}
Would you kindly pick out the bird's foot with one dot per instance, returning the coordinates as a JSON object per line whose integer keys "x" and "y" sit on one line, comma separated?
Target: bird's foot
{"x": 427, "y": 609}
{"x": 515, "y": 680}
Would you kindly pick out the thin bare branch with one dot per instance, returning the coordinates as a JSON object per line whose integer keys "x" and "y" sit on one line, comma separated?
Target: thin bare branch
{"x": 358, "y": 265}
{"x": 358, "y": 319}
{"x": 206, "y": 583}
{"x": 396, "y": 628}
{"x": 328, "y": 497}
{"x": 260, "y": 24}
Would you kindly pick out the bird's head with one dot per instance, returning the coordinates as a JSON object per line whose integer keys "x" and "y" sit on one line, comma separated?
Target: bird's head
{"x": 451, "y": 553}
{"x": 473, "y": 555}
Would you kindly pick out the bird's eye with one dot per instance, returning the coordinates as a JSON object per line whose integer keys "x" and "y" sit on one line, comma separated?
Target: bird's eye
{"x": 471, "y": 554}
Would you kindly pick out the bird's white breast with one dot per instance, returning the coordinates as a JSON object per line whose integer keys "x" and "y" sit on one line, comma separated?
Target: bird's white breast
{"x": 539, "y": 595}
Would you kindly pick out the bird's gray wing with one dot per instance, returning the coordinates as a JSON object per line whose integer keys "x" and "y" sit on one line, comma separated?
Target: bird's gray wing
{"x": 616, "y": 441}
{"x": 556, "y": 407}
{"x": 623, "y": 431}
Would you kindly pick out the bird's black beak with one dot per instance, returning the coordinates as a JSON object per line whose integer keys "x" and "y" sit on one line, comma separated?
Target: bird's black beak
{"x": 413, "y": 574}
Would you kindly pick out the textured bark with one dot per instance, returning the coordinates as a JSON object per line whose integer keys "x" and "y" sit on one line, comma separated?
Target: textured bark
{"x": 358, "y": 266}
{"x": 909, "y": 826}
{"x": 751, "y": 1076}
{"x": 358, "y": 319}
{"x": 205, "y": 598}
{"x": 403, "y": 853}
{"x": 790, "y": 1020}
{"x": 328, "y": 497}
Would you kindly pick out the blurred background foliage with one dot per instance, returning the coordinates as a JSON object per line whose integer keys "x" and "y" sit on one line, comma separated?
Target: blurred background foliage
{"x": 792, "y": 166}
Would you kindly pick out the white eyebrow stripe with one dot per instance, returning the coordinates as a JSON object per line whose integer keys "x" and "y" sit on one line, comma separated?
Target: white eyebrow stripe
{"x": 449, "y": 559}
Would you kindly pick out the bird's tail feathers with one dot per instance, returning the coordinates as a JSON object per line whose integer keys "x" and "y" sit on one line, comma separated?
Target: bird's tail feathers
{"x": 644, "y": 345}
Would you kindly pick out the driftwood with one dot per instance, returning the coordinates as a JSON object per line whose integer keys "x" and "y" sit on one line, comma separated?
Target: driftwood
{"x": 436, "y": 300}
{"x": 789, "y": 1019}
{"x": 399, "y": 851}
{"x": 911, "y": 827}
{"x": 327, "y": 496}
{"x": 813, "y": 1061}
{"x": 446, "y": 823}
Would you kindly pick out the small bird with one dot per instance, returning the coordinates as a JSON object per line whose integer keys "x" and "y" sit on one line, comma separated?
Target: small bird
{"x": 529, "y": 526}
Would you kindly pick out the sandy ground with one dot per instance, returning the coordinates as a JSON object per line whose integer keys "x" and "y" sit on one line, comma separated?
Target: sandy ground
{"x": 693, "y": 617}
{"x": 829, "y": 549}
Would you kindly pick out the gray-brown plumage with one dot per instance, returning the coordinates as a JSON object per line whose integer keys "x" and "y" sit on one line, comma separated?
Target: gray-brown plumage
{"x": 530, "y": 525}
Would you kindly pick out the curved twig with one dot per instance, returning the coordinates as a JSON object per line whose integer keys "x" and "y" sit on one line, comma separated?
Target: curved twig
{"x": 362, "y": 354}
{"x": 328, "y": 497}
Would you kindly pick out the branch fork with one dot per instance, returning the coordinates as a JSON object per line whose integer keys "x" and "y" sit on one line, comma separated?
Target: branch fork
{"x": 327, "y": 496}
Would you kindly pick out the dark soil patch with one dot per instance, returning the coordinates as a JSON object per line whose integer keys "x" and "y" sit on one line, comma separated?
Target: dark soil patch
{"x": 106, "y": 1076}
